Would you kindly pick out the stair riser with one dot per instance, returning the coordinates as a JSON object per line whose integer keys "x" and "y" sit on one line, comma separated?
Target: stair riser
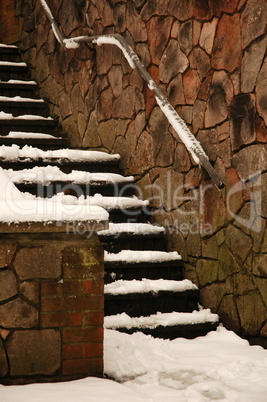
{"x": 19, "y": 108}
{"x": 13, "y": 91}
{"x": 115, "y": 245}
{"x": 10, "y": 73}
{"x": 9, "y": 56}
{"x": 183, "y": 331}
{"x": 49, "y": 144}
{"x": 140, "y": 271}
{"x": 26, "y": 126}
{"x": 146, "y": 304}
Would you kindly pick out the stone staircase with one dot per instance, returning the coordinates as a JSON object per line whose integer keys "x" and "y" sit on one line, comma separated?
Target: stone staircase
{"x": 145, "y": 290}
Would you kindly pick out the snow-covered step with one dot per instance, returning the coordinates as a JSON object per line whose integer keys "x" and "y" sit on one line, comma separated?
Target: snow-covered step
{"x": 18, "y": 106}
{"x": 26, "y": 123}
{"x": 138, "y": 264}
{"x": 9, "y": 52}
{"x": 13, "y": 70}
{"x": 166, "y": 325}
{"x": 68, "y": 159}
{"x": 21, "y": 88}
{"x": 39, "y": 140}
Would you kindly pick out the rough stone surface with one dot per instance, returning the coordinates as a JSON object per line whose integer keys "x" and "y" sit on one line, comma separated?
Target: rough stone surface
{"x": 8, "y": 285}
{"x": 207, "y": 35}
{"x": 38, "y": 262}
{"x": 260, "y": 93}
{"x": 253, "y": 21}
{"x": 18, "y": 314}
{"x": 251, "y": 64}
{"x": 242, "y": 123}
{"x": 172, "y": 62}
{"x": 227, "y": 44}
{"x": 3, "y": 361}
{"x": 34, "y": 352}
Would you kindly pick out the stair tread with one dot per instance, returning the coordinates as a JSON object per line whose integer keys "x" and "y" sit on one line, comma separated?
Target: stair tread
{"x": 141, "y": 256}
{"x": 124, "y": 287}
{"x": 6, "y": 118}
{"x": 132, "y": 229}
{"x": 18, "y": 100}
{"x": 123, "y": 320}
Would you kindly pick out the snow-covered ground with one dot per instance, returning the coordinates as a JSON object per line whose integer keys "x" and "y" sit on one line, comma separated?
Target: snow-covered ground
{"x": 218, "y": 367}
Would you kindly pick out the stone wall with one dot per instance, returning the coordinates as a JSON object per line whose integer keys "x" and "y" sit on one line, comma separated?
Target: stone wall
{"x": 51, "y": 307}
{"x": 209, "y": 57}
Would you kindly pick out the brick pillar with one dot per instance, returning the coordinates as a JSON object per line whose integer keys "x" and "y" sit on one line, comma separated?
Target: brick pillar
{"x": 9, "y": 22}
{"x": 51, "y": 307}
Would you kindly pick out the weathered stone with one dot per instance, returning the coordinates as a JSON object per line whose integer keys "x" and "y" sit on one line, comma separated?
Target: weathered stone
{"x": 122, "y": 147}
{"x": 242, "y": 123}
{"x": 257, "y": 232}
{"x": 261, "y": 99}
{"x": 18, "y": 314}
{"x": 143, "y": 53}
{"x": 8, "y": 285}
{"x": 80, "y": 262}
{"x": 247, "y": 305}
{"x": 210, "y": 248}
{"x": 175, "y": 29}
{"x": 194, "y": 244}
{"x": 228, "y": 264}
{"x": 264, "y": 244}
{"x": 221, "y": 94}
{"x": 242, "y": 284}
{"x": 200, "y": 61}
{"x": 166, "y": 155}
{"x": 119, "y": 17}
{"x": 192, "y": 179}
{"x": 202, "y": 10}
{"x": 211, "y": 295}
{"x": 3, "y": 361}
{"x": 107, "y": 133}
{"x": 153, "y": 7}
{"x": 173, "y": 61}
{"x": 234, "y": 193}
{"x": 91, "y": 137}
{"x": 261, "y": 129}
{"x": 7, "y": 251}
{"x": 143, "y": 157}
{"x": 214, "y": 217}
{"x": 105, "y": 105}
{"x": 209, "y": 142}
{"x": 139, "y": 101}
{"x": 158, "y": 32}
{"x": 103, "y": 59}
{"x": 228, "y": 313}
{"x": 115, "y": 78}
{"x": 176, "y": 91}
{"x": 185, "y": 37}
{"x": 224, "y": 6}
{"x": 238, "y": 242}
{"x": 182, "y": 10}
{"x": 34, "y": 352}
{"x": 253, "y": 21}
{"x": 196, "y": 32}
{"x": 186, "y": 113}
{"x": 136, "y": 79}
{"x": 38, "y": 262}
{"x": 259, "y": 267}
{"x": 124, "y": 105}
{"x": 30, "y": 290}
{"x": 227, "y": 53}
{"x": 207, "y": 271}
{"x": 251, "y": 64}
{"x": 198, "y": 115}
{"x": 135, "y": 25}
{"x": 224, "y": 152}
{"x": 182, "y": 161}
{"x": 158, "y": 126}
{"x": 191, "y": 83}
{"x": 250, "y": 161}
{"x": 207, "y": 35}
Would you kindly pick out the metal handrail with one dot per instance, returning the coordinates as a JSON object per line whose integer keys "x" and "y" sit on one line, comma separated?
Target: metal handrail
{"x": 191, "y": 143}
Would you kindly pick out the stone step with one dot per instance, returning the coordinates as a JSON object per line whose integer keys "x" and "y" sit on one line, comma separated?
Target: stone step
{"x": 18, "y": 106}
{"x": 27, "y": 123}
{"x": 115, "y": 270}
{"x": 166, "y": 325}
{"x": 145, "y": 304}
{"x": 48, "y": 142}
{"x": 126, "y": 241}
{"x": 9, "y": 53}
{"x": 27, "y": 89}
{"x": 13, "y": 70}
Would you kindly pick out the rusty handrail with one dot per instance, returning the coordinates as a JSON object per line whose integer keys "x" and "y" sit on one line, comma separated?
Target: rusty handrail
{"x": 183, "y": 132}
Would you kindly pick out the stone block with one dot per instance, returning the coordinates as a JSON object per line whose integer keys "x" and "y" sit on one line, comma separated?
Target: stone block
{"x": 3, "y": 361}
{"x": 239, "y": 243}
{"x": 123, "y": 106}
{"x": 135, "y": 24}
{"x": 252, "y": 312}
{"x": 30, "y": 290}
{"x": 250, "y": 161}
{"x": 259, "y": 267}
{"x": 82, "y": 263}
{"x": 191, "y": 84}
{"x": 207, "y": 271}
{"x": 253, "y": 21}
{"x": 152, "y": 7}
{"x": 211, "y": 295}
{"x": 33, "y": 352}
{"x": 207, "y": 35}
{"x": 261, "y": 100}
{"x": 8, "y": 285}
{"x": 173, "y": 61}
{"x": 227, "y": 52}
{"x": 7, "y": 251}
{"x": 158, "y": 32}
{"x": 234, "y": 193}
{"x": 185, "y": 37}
{"x": 38, "y": 262}
{"x": 228, "y": 264}
{"x": 224, "y": 6}
{"x": 18, "y": 314}
{"x": 183, "y": 10}
{"x": 228, "y": 313}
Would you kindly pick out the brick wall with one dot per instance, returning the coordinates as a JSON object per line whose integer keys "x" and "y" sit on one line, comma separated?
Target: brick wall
{"x": 9, "y": 22}
{"x": 51, "y": 307}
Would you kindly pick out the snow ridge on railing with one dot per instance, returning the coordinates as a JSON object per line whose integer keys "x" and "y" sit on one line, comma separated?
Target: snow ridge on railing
{"x": 183, "y": 132}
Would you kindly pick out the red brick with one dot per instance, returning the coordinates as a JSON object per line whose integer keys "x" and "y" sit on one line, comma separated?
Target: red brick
{"x": 82, "y": 335}
{"x": 61, "y": 319}
{"x": 93, "y": 317}
{"x": 84, "y": 302}
{"x": 73, "y": 351}
{"x": 65, "y": 288}
{"x": 92, "y": 367}
{"x": 93, "y": 350}
{"x": 51, "y": 304}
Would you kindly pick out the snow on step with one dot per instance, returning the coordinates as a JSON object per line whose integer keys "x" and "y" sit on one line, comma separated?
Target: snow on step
{"x": 12, "y": 81}
{"x": 122, "y": 287}
{"x": 18, "y": 207}
{"x": 160, "y": 319}
{"x": 22, "y": 134}
{"x": 132, "y": 228}
{"x": 13, "y": 63}
{"x": 9, "y": 116}
{"x": 2, "y": 45}
{"x": 133, "y": 256}
{"x": 49, "y": 174}
{"x": 19, "y": 99}
{"x": 14, "y": 152}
